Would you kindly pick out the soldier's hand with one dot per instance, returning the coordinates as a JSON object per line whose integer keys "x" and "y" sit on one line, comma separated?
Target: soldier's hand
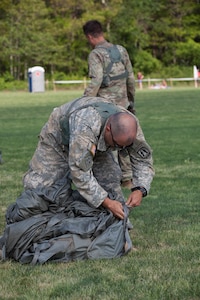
{"x": 115, "y": 207}
{"x": 131, "y": 108}
{"x": 134, "y": 199}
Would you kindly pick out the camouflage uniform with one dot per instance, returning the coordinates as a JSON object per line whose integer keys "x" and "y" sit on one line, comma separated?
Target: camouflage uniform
{"x": 87, "y": 160}
{"x": 120, "y": 92}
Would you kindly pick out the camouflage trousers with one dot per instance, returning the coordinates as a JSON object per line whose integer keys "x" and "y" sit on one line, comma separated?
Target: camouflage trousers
{"x": 49, "y": 165}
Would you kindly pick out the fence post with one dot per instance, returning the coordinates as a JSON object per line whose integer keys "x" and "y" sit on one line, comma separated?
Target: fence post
{"x": 54, "y": 85}
{"x": 84, "y": 83}
{"x": 149, "y": 83}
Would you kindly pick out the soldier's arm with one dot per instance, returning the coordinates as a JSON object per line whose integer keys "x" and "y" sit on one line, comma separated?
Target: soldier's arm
{"x": 84, "y": 129}
{"x": 95, "y": 73}
{"x": 141, "y": 161}
{"x": 143, "y": 172}
{"x": 130, "y": 82}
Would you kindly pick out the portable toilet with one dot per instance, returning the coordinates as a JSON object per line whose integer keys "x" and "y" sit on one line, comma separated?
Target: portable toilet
{"x": 36, "y": 79}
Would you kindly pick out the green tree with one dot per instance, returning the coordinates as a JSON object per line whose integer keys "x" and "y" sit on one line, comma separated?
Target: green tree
{"x": 157, "y": 34}
{"x": 28, "y": 39}
{"x": 162, "y": 29}
{"x": 131, "y": 28}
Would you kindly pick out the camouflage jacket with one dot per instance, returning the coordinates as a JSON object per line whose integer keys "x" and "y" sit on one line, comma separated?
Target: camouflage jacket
{"x": 121, "y": 91}
{"x": 86, "y": 139}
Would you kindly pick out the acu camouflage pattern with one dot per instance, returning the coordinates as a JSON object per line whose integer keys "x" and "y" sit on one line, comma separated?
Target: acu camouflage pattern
{"x": 121, "y": 91}
{"x": 86, "y": 161}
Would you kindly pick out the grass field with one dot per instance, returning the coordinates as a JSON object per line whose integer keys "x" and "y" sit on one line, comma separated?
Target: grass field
{"x": 166, "y": 230}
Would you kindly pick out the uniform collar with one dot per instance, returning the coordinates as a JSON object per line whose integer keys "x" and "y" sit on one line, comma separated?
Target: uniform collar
{"x": 102, "y": 43}
{"x": 101, "y": 146}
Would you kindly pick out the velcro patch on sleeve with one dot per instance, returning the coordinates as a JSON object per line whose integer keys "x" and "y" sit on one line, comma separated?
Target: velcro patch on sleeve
{"x": 143, "y": 152}
{"x": 142, "y": 149}
{"x": 86, "y": 162}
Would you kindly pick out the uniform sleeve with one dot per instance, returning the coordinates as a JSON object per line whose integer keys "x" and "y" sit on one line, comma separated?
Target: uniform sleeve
{"x": 84, "y": 129}
{"x": 130, "y": 83}
{"x": 95, "y": 65}
{"x": 141, "y": 161}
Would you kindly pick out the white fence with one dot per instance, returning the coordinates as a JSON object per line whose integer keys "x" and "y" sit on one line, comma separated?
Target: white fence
{"x": 170, "y": 80}
{"x": 83, "y": 82}
{"x": 149, "y": 81}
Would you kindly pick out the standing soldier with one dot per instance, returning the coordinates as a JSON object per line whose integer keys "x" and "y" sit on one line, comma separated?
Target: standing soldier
{"x": 112, "y": 78}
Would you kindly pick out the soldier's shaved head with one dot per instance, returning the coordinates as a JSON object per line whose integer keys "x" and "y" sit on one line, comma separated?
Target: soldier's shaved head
{"x": 124, "y": 127}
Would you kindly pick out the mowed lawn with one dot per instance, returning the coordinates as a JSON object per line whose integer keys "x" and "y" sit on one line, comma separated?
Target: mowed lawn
{"x": 166, "y": 233}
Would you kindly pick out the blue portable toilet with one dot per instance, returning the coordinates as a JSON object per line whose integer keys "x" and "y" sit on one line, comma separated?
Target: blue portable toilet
{"x": 36, "y": 79}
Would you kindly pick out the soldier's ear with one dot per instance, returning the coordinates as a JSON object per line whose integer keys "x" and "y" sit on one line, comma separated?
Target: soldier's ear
{"x": 89, "y": 37}
{"x": 107, "y": 133}
{"x": 108, "y": 128}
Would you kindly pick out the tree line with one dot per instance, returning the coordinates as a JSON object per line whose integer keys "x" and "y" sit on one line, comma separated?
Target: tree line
{"x": 158, "y": 34}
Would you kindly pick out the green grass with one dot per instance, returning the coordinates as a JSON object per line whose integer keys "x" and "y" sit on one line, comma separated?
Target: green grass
{"x": 166, "y": 230}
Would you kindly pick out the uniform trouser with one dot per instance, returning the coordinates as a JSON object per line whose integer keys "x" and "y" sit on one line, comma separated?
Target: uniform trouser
{"x": 49, "y": 165}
